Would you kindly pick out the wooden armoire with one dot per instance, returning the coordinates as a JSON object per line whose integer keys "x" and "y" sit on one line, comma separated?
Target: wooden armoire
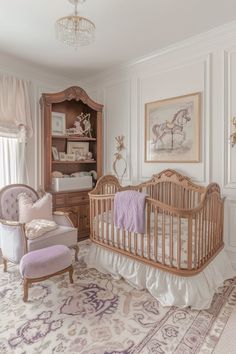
{"x": 70, "y": 103}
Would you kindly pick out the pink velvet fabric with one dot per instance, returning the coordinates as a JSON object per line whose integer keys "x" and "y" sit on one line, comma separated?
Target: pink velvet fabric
{"x": 46, "y": 261}
{"x": 129, "y": 211}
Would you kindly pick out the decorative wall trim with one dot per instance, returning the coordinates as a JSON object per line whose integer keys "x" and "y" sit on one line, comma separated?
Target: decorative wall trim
{"x": 227, "y": 69}
{"x": 207, "y": 101}
{"x": 107, "y": 152}
{"x": 211, "y": 35}
{"x": 230, "y": 225}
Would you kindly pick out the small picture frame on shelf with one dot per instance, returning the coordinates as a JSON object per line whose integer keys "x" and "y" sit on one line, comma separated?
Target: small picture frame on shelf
{"x": 70, "y": 157}
{"x": 62, "y": 156}
{"x": 79, "y": 148}
{"x": 55, "y": 154}
{"x": 58, "y": 123}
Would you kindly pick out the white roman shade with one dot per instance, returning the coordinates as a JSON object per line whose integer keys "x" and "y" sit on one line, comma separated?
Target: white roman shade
{"x": 15, "y": 110}
{"x": 15, "y": 128}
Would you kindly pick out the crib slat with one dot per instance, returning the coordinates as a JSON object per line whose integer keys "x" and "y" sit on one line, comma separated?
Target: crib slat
{"x": 155, "y": 234}
{"x": 142, "y": 244}
{"x": 221, "y": 223}
{"x": 200, "y": 239}
{"x": 135, "y": 243}
{"x": 107, "y": 220}
{"x": 205, "y": 231}
{"x": 102, "y": 220}
{"x": 171, "y": 240}
{"x": 118, "y": 238}
{"x": 123, "y": 239}
{"x": 129, "y": 241}
{"x": 97, "y": 220}
{"x": 210, "y": 227}
{"x": 218, "y": 220}
{"x": 179, "y": 244}
{"x": 163, "y": 236}
{"x": 112, "y": 222}
{"x": 148, "y": 229}
{"x": 195, "y": 239}
{"x": 93, "y": 218}
{"x": 190, "y": 240}
{"x": 214, "y": 231}
{"x": 213, "y": 220}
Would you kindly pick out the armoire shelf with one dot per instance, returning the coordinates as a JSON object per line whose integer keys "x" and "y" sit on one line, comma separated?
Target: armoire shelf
{"x": 73, "y": 138}
{"x": 74, "y": 162}
{"x": 71, "y": 103}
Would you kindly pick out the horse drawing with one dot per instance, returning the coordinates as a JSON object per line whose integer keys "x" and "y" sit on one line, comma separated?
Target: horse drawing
{"x": 176, "y": 126}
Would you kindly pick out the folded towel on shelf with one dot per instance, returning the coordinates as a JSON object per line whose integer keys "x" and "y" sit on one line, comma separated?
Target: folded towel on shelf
{"x": 129, "y": 211}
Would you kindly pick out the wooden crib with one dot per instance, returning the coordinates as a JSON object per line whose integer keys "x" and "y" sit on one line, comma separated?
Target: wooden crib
{"x": 184, "y": 222}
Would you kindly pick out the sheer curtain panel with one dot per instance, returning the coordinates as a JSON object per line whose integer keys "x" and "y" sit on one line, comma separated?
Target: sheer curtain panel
{"x": 12, "y": 161}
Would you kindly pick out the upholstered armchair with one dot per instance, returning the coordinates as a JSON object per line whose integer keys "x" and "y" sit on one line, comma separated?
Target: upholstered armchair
{"x": 13, "y": 240}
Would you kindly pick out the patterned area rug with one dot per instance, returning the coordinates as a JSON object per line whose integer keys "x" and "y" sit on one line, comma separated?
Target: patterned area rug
{"x": 100, "y": 315}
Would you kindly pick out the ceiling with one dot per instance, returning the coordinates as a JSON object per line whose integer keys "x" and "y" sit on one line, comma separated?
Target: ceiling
{"x": 125, "y": 30}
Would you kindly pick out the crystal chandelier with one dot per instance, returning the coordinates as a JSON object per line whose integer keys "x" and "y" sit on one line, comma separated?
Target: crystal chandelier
{"x": 75, "y": 30}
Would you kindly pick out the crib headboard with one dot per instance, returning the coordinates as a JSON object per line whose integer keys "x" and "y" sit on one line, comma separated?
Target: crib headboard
{"x": 169, "y": 187}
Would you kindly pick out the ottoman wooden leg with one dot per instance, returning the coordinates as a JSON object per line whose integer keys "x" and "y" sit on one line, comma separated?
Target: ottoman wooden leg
{"x": 4, "y": 264}
{"x": 76, "y": 248}
{"x": 25, "y": 297}
{"x": 71, "y": 270}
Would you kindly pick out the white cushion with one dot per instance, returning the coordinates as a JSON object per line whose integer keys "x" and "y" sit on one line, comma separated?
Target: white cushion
{"x": 63, "y": 235}
{"x": 28, "y": 210}
{"x": 38, "y": 227}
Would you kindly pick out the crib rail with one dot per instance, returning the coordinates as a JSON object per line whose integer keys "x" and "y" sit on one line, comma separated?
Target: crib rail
{"x": 179, "y": 240}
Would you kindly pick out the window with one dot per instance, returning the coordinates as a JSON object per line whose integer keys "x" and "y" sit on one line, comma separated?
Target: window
{"x": 12, "y": 160}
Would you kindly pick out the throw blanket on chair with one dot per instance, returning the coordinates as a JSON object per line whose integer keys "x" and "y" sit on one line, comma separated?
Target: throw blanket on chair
{"x": 129, "y": 211}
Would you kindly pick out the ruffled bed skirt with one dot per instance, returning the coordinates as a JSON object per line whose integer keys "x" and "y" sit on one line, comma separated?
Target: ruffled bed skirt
{"x": 169, "y": 289}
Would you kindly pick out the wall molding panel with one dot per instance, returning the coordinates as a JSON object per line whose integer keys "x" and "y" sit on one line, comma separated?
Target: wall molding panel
{"x": 117, "y": 121}
{"x": 229, "y": 111}
{"x": 203, "y": 176}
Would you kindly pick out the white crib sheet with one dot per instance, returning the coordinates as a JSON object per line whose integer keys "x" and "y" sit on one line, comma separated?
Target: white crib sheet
{"x": 107, "y": 239}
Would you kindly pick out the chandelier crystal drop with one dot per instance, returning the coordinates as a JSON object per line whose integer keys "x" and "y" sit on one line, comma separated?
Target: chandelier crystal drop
{"x": 75, "y": 30}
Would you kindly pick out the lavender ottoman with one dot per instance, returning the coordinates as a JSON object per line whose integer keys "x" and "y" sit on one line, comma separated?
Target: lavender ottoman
{"x": 42, "y": 264}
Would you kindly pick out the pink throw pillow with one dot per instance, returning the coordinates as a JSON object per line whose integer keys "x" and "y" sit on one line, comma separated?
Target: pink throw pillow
{"x": 41, "y": 209}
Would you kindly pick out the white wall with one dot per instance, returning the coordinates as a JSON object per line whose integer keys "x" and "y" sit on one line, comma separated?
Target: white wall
{"x": 206, "y": 64}
{"x": 41, "y": 81}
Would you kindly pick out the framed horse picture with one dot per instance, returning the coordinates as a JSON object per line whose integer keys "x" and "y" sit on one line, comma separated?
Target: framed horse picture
{"x": 172, "y": 129}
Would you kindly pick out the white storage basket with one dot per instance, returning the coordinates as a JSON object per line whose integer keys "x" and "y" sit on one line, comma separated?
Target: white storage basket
{"x": 71, "y": 183}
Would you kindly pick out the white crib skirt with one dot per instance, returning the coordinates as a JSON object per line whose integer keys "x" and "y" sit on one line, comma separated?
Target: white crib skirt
{"x": 169, "y": 289}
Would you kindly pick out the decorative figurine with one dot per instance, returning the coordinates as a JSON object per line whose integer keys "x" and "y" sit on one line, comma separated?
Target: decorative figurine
{"x": 119, "y": 158}
{"x": 78, "y": 126}
{"x": 233, "y": 135}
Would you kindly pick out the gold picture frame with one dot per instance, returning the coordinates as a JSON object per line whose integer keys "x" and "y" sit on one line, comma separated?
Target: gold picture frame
{"x": 172, "y": 129}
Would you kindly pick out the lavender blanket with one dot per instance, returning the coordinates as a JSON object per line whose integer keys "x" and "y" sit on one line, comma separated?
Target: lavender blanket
{"x": 129, "y": 211}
